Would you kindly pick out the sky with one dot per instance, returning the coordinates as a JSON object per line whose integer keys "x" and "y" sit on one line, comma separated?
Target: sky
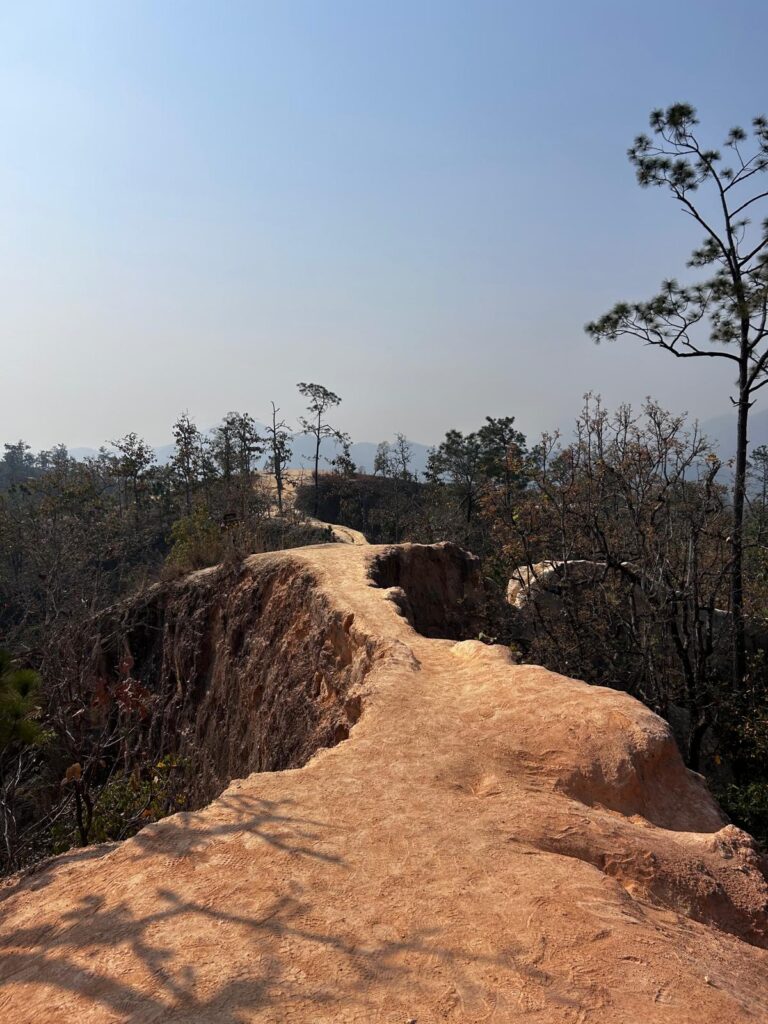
{"x": 417, "y": 203}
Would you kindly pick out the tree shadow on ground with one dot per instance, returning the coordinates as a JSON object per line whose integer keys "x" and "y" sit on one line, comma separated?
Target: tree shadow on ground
{"x": 190, "y": 831}
{"x": 39, "y": 875}
{"x": 104, "y": 953}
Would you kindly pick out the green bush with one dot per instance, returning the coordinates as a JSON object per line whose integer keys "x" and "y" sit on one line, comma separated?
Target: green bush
{"x": 127, "y": 803}
{"x": 197, "y": 542}
{"x": 747, "y": 806}
{"x": 19, "y": 705}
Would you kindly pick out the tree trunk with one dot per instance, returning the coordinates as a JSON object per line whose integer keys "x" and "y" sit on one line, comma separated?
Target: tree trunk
{"x": 277, "y": 467}
{"x": 279, "y": 485}
{"x": 695, "y": 739}
{"x": 317, "y": 471}
{"x": 737, "y": 539}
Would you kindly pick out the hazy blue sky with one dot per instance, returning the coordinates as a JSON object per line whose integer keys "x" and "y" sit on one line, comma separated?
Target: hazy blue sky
{"x": 416, "y": 203}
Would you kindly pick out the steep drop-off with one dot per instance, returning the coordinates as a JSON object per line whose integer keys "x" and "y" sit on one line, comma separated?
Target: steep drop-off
{"x": 434, "y": 834}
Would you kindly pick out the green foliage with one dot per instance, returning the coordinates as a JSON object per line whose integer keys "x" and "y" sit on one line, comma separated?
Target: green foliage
{"x": 341, "y": 463}
{"x": 495, "y": 453}
{"x": 18, "y": 464}
{"x": 380, "y": 507}
{"x": 319, "y": 401}
{"x": 19, "y": 705}
{"x": 189, "y": 457}
{"x": 197, "y": 542}
{"x": 743, "y": 741}
{"x": 487, "y": 467}
{"x": 747, "y": 806}
{"x": 279, "y": 535}
{"x": 128, "y": 802}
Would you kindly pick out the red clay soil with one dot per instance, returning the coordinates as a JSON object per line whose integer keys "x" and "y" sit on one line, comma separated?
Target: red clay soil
{"x": 492, "y": 843}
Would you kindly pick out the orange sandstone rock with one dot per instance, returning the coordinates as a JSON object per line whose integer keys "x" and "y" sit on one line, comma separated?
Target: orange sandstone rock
{"x": 492, "y": 842}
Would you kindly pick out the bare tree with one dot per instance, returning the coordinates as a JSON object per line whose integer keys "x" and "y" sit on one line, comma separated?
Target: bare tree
{"x": 383, "y": 461}
{"x": 621, "y": 545}
{"x": 279, "y": 449}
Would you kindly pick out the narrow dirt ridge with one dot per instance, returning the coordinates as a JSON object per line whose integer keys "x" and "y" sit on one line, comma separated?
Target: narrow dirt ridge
{"x": 493, "y": 842}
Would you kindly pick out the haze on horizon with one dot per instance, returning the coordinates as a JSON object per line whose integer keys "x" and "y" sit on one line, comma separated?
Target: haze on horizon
{"x": 416, "y": 204}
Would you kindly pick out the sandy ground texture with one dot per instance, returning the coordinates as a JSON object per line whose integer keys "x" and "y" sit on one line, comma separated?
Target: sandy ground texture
{"x": 492, "y": 843}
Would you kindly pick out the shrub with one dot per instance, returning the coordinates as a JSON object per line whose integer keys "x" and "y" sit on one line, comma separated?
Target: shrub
{"x": 197, "y": 542}
{"x": 19, "y": 705}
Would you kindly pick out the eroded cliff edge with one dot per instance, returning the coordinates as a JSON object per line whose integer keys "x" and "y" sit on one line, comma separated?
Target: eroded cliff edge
{"x": 434, "y": 833}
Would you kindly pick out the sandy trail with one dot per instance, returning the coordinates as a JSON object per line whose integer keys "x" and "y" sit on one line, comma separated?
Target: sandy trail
{"x": 492, "y": 843}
